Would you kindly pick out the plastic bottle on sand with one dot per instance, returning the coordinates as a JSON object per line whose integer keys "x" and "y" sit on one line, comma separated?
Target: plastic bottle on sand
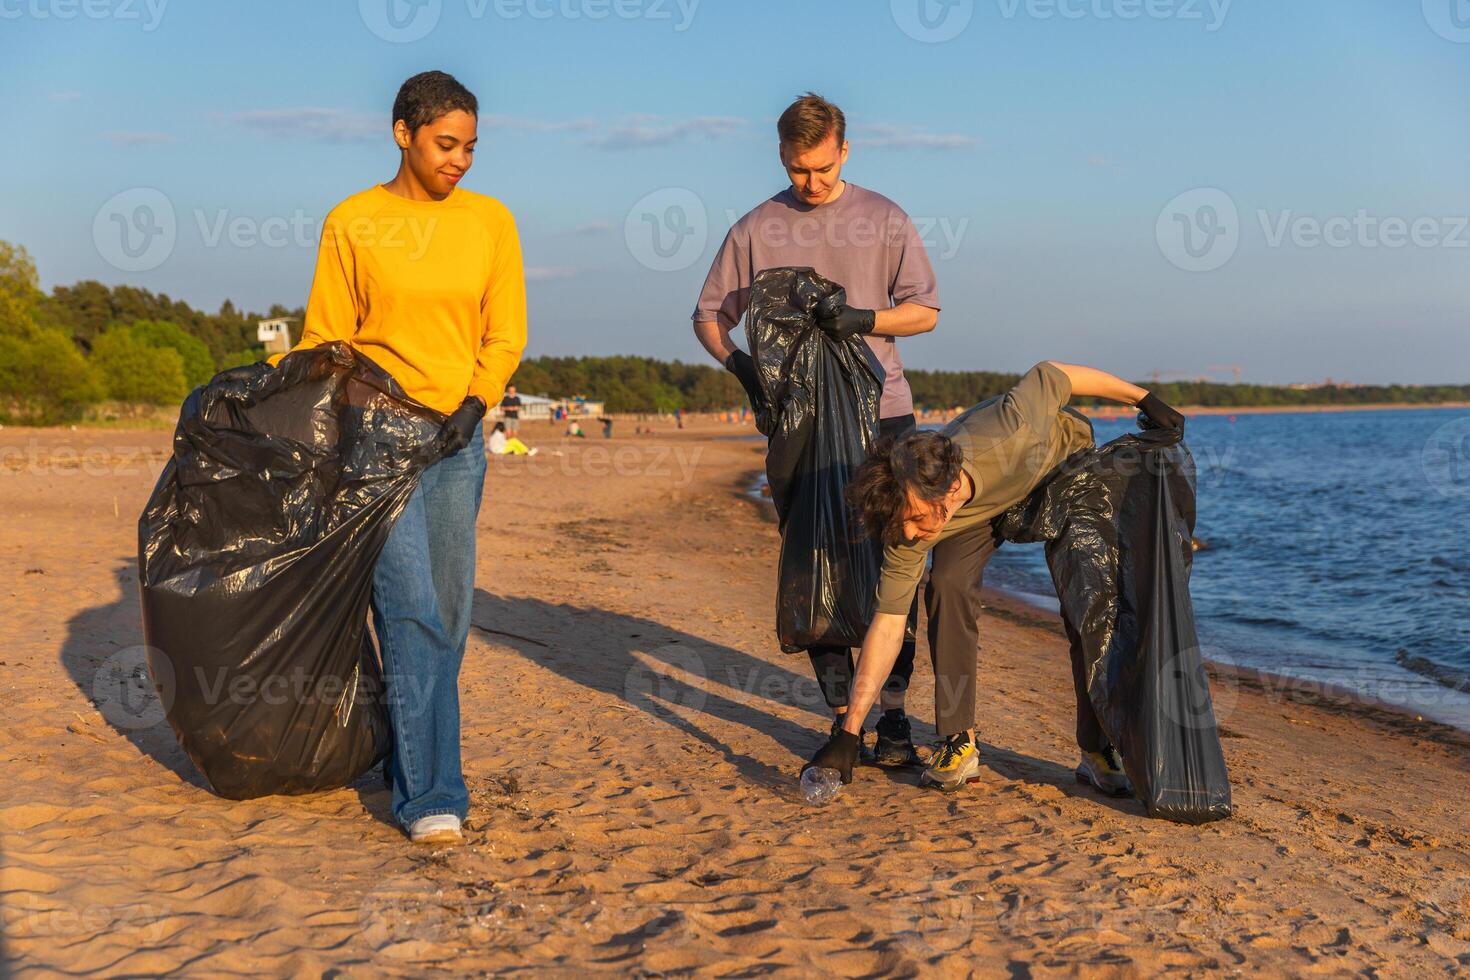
{"x": 820, "y": 786}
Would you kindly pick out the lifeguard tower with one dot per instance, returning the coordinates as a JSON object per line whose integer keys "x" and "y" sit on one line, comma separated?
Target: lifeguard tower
{"x": 275, "y": 334}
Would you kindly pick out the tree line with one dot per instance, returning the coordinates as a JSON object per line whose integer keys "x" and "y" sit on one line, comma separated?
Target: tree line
{"x": 63, "y": 353}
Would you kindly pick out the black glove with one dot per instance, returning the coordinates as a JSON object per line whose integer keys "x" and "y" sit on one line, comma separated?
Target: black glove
{"x": 459, "y": 428}
{"x": 742, "y": 365}
{"x": 840, "y": 753}
{"x": 847, "y": 322}
{"x": 1154, "y": 414}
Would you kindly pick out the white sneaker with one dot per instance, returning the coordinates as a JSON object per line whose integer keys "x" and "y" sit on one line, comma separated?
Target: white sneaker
{"x": 441, "y": 828}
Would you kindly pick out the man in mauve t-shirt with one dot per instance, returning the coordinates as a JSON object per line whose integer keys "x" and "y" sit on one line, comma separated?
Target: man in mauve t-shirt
{"x": 865, "y": 243}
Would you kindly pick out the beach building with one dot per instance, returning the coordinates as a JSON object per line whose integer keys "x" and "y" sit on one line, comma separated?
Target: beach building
{"x": 275, "y": 334}
{"x": 540, "y": 407}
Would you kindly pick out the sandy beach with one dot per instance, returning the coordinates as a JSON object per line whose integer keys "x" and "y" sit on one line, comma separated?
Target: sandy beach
{"x": 632, "y": 736}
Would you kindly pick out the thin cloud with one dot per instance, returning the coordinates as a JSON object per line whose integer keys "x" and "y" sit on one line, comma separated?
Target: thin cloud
{"x": 547, "y": 273}
{"x": 521, "y": 124}
{"x": 593, "y": 227}
{"x": 320, "y": 124}
{"x": 72, "y": 96}
{"x": 344, "y": 125}
{"x": 640, "y": 132}
{"x": 1097, "y": 160}
{"x": 138, "y": 139}
{"x": 895, "y": 137}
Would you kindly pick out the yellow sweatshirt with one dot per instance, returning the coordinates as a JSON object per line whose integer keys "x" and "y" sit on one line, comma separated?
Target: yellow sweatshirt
{"x": 433, "y": 291}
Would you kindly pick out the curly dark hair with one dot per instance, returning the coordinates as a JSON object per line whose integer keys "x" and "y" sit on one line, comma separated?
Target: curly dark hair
{"x": 924, "y": 463}
{"x": 429, "y": 95}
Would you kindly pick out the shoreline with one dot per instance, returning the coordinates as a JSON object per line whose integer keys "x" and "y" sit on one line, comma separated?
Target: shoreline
{"x": 1399, "y": 719}
{"x": 1407, "y": 720}
{"x": 164, "y": 419}
{"x": 631, "y": 738}
{"x": 1282, "y": 409}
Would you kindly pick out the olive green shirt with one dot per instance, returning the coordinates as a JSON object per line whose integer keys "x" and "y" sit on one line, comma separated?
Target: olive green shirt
{"x": 1010, "y": 444}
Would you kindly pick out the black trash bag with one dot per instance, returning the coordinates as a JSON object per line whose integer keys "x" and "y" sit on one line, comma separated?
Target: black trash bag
{"x": 256, "y": 554}
{"x": 1118, "y": 522}
{"x": 819, "y": 411}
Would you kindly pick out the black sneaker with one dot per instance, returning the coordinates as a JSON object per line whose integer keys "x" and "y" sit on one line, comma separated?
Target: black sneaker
{"x": 895, "y": 744}
{"x": 865, "y": 754}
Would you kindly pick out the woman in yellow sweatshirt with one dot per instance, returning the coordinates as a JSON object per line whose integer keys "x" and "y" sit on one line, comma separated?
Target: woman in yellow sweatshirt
{"x": 426, "y": 279}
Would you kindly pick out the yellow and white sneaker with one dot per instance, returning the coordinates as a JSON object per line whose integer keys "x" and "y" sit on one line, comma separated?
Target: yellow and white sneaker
{"x": 956, "y": 763}
{"x": 1104, "y": 772}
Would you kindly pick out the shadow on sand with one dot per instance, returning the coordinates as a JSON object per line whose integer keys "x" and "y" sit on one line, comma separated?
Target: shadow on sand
{"x": 674, "y": 678}
{"x": 103, "y": 654}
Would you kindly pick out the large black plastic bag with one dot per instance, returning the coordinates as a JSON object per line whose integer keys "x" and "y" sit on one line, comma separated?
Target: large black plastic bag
{"x": 820, "y": 415}
{"x": 256, "y": 555}
{"x": 1118, "y": 522}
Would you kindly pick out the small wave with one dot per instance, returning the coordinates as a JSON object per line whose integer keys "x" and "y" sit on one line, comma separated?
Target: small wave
{"x": 1450, "y": 677}
{"x": 1262, "y": 620}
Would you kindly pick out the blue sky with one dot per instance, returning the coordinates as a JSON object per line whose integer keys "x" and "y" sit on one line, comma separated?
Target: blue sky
{"x": 1146, "y": 185}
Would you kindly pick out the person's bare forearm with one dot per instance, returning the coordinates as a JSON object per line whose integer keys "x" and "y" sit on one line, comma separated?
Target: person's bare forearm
{"x": 905, "y": 320}
{"x": 880, "y": 649}
{"x": 1089, "y": 382}
{"x": 715, "y": 337}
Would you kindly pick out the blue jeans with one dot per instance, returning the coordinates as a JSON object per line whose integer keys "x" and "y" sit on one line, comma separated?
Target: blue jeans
{"x": 422, "y": 588}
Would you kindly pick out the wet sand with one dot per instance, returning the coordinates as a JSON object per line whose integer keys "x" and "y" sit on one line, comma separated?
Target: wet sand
{"x": 631, "y": 737}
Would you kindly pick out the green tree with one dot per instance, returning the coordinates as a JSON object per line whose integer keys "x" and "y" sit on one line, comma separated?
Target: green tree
{"x": 134, "y": 371}
{"x": 44, "y": 379}
{"x": 199, "y": 366}
{"x": 20, "y": 291}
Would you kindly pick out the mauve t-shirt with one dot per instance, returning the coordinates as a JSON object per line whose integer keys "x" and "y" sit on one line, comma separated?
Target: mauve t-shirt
{"x": 862, "y": 241}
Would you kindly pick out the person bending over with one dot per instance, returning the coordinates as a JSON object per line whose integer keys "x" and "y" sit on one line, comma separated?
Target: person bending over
{"x": 939, "y": 493}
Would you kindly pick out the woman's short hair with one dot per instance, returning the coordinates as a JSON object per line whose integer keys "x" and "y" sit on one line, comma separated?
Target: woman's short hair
{"x": 925, "y": 464}
{"x": 429, "y": 95}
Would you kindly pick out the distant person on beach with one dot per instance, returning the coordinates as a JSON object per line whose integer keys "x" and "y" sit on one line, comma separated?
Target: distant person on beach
{"x": 607, "y": 427}
{"x": 447, "y": 319}
{"x": 937, "y": 494}
{"x": 864, "y": 242}
{"x": 574, "y": 430}
{"x": 510, "y": 408}
{"x": 501, "y": 443}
